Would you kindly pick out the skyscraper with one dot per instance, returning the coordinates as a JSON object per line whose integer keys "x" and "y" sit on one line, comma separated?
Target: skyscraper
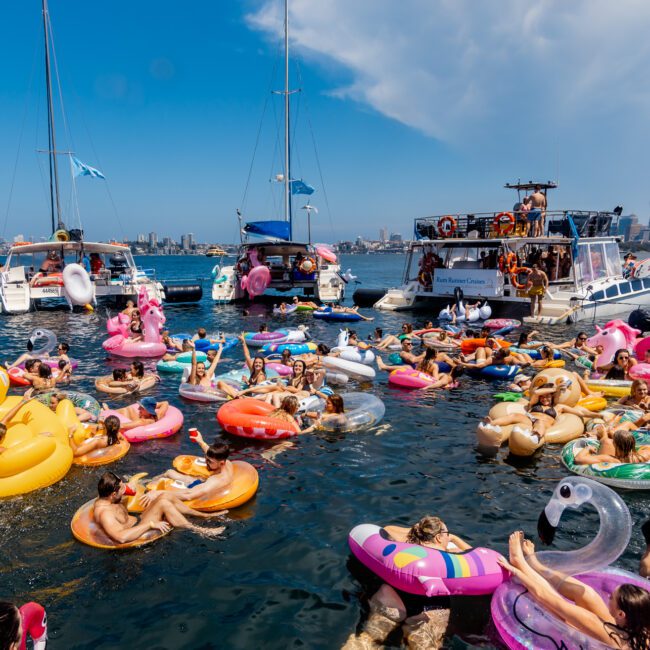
{"x": 153, "y": 240}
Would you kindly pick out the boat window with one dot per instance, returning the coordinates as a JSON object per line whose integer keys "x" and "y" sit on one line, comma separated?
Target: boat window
{"x": 612, "y": 291}
{"x": 646, "y": 283}
{"x": 637, "y": 285}
{"x": 599, "y": 295}
{"x": 598, "y": 261}
{"x": 625, "y": 288}
{"x": 583, "y": 265}
{"x": 613, "y": 257}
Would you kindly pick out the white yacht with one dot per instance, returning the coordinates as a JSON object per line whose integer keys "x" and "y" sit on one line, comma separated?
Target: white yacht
{"x": 487, "y": 256}
{"x": 269, "y": 261}
{"x": 113, "y": 274}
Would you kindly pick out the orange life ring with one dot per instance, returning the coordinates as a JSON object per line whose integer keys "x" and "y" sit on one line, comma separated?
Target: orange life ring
{"x": 504, "y": 223}
{"x": 513, "y": 276}
{"x": 445, "y": 230}
{"x": 21, "y": 243}
{"x": 49, "y": 280}
{"x": 311, "y": 268}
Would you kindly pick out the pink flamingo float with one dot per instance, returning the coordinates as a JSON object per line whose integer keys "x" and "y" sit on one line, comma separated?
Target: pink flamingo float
{"x": 153, "y": 319}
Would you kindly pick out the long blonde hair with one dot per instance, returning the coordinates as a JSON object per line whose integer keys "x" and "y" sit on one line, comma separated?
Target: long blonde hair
{"x": 426, "y": 530}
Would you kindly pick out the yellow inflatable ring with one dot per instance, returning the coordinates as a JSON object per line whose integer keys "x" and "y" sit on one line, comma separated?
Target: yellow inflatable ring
{"x": 105, "y": 455}
{"x": 593, "y": 404}
{"x": 86, "y": 530}
{"x": 242, "y": 489}
{"x": 191, "y": 465}
{"x": 32, "y": 460}
{"x": 554, "y": 363}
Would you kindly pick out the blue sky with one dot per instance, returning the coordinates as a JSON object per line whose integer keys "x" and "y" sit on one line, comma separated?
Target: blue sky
{"x": 418, "y": 107}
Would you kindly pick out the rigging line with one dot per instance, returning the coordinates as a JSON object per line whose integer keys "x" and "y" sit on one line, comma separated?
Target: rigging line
{"x": 20, "y": 138}
{"x": 320, "y": 171}
{"x": 268, "y": 96}
{"x": 276, "y": 209}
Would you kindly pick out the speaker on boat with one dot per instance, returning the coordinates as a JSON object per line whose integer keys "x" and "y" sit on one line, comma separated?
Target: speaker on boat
{"x": 76, "y": 234}
{"x": 639, "y": 319}
{"x": 177, "y": 292}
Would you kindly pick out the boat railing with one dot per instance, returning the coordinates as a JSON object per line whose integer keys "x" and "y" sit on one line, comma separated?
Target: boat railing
{"x": 499, "y": 225}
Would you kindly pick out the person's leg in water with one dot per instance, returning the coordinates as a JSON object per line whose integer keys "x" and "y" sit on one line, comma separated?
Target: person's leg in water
{"x": 427, "y": 630}
{"x": 387, "y": 611}
{"x": 172, "y": 509}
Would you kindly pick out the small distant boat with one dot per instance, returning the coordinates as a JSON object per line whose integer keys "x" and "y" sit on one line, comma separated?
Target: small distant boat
{"x": 216, "y": 251}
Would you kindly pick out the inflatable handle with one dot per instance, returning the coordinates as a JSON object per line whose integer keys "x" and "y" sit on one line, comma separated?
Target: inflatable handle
{"x": 613, "y": 535}
{"x": 41, "y": 333}
{"x": 34, "y": 621}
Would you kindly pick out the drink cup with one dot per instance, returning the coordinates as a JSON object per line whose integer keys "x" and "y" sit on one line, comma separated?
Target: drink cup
{"x": 129, "y": 491}
{"x": 194, "y": 434}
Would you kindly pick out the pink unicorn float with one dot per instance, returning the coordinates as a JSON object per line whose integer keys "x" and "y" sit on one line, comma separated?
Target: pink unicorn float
{"x": 616, "y": 335}
{"x": 258, "y": 279}
{"x": 153, "y": 319}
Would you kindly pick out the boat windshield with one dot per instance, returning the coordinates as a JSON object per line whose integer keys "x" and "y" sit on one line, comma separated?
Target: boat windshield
{"x": 597, "y": 260}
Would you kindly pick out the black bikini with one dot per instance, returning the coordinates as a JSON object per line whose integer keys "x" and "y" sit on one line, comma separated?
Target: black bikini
{"x": 550, "y": 411}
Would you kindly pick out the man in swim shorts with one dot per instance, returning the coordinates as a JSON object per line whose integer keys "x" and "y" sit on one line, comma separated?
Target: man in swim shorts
{"x": 221, "y": 474}
{"x": 163, "y": 514}
{"x": 537, "y": 211}
{"x": 537, "y": 287}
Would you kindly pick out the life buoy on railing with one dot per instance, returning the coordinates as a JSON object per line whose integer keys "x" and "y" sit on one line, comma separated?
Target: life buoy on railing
{"x": 507, "y": 262}
{"x": 308, "y": 265}
{"x": 514, "y": 276}
{"x": 49, "y": 280}
{"x": 447, "y": 226}
{"x": 504, "y": 223}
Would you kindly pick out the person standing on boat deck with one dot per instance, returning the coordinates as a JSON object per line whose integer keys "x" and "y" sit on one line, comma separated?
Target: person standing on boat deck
{"x": 537, "y": 212}
{"x": 628, "y": 264}
{"x": 537, "y": 286}
{"x": 52, "y": 263}
{"x": 523, "y": 210}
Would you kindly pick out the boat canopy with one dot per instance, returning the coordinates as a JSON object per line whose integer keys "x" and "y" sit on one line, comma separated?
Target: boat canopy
{"x": 271, "y": 229}
{"x": 69, "y": 246}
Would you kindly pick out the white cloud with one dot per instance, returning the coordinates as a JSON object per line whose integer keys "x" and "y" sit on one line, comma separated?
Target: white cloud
{"x": 454, "y": 68}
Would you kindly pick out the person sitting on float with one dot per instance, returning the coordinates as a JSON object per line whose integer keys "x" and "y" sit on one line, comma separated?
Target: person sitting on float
{"x": 62, "y": 350}
{"x": 429, "y": 364}
{"x": 520, "y": 384}
{"x": 146, "y": 411}
{"x": 199, "y": 375}
{"x": 179, "y": 347}
{"x": 121, "y": 380}
{"x": 287, "y": 412}
{"x": 108, "y": 435}
{"x": 165, "y": 513}
{"x": 441, "y": 339}
{"x": 406, "y": 355}
{"x": 424, "y": 620}
{"x": 31, "y": 370}
{"x": 257, "y": 372}
{"x": 620, "y": 448}
{"x": 220, "y": 469}
{"x": 82, "y": 414}
{"x": 45, "y": 380}
{"x": 638, "y": 397}
{"x": 305, "y": 303}
{"x": 541, "y": 412}
{"x": 129, "y": 309}
{"x": 619, "y": 368}
{"x": 446, "y": 379}
{"x": 500, "y": 357}
{"x": 466, "y": 312}
{"x": 353, "y": 339}
{"x": 576, "y": 347}
{"x": 622, "y": 623}
{"x": 524, "y": 342}
{"x": 483, "y": 352}
{"x": 135, "y": 328}
{"x": 390, "y": 339}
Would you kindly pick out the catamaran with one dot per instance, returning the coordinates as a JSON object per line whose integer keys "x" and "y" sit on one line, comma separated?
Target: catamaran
{"x": 268, "y": 259}
{"x": 488, "y": 257}
{"x": 33, "y": 272}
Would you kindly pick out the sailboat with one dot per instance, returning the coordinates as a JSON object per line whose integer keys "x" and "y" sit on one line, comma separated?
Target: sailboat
{"x": 268, "y": 259}
{"x": 34, "y": 271}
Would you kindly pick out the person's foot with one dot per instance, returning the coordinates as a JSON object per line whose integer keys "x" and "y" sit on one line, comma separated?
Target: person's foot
{"x": 380, "y": 363}
{"x": 514, "y": 547}
{"x": 209, "y": 532}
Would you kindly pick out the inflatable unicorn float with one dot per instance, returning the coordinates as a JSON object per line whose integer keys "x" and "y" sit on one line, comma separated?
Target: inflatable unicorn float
{"x": 120, "y": 344}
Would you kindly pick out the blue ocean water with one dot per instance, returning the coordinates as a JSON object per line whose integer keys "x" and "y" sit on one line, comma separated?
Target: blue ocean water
{"x": 281, "y": 577}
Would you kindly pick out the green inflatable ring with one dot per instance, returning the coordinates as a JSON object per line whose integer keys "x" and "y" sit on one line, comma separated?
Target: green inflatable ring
{"x": 80, "y": 400}
{"x": 631, "y": 476}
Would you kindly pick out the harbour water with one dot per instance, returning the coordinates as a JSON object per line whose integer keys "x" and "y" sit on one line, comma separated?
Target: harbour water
{"x": 282, "y": 576}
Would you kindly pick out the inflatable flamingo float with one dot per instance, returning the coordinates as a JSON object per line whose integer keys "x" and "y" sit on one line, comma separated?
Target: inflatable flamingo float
{"x": 152, "y": 321}
{"x": 258, "y": 278}
{"x": 520, "y": 620}
{"x": 616, "y": 335}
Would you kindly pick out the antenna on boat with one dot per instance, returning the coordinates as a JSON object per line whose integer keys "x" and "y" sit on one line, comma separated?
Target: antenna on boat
{"x": 309, "y": 208}
{"x": 287, "y": 161}
{"x": 57, "y": 223}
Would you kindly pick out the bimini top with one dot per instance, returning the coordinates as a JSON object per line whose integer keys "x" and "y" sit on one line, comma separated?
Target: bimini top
{"x": 530, "y": 185}
{"x": 69, "y": 246}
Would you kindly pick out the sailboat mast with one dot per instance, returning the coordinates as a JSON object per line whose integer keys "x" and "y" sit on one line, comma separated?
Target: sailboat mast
{"x": 54, "y": 172}
{"x": 287, "y": 161}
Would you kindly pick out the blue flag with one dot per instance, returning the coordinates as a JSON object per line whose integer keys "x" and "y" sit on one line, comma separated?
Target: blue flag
{"x": 81, "y": 169}
{"x": 299, "y": 187}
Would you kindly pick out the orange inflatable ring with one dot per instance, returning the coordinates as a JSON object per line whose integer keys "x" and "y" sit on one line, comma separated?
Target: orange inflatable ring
{"x": 467, "y": 346}
{"x": 244, "y": 485}
{"x": 508, "y": 262}
{"x": 250, "y": 418}
{"x": 105, "y": 455}
{"x": 447, "y": 226}
{"x": 49, "y": 280}
{"x": 308, "y": 265}
{"x": 504, "y": 223}
{"x": 86, "y": 530}
{"x": 514, "y": 273}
